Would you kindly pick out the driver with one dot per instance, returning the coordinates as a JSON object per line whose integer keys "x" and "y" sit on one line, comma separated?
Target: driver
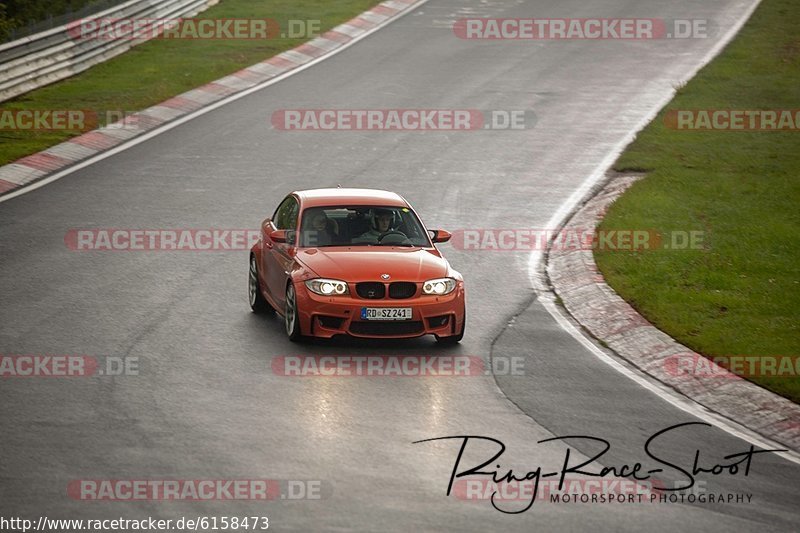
{"x": 381, "y": 223}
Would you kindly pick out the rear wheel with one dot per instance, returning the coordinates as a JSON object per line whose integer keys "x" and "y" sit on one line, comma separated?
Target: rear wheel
{"x": 454, "y": 339}
{"x": 290, "y": 316}
{"x": 257, "y": 302}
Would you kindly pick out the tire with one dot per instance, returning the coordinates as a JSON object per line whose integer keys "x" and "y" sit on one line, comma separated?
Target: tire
{"x": 257, "y": 302}
{"x": 290, "y": 318}
{"x": 454, "y": 339}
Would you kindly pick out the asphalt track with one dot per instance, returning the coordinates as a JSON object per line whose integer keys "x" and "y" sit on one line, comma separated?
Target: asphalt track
{"x": 206, "y": 404}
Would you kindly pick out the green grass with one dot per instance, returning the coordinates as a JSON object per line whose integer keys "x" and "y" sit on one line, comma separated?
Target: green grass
{"x": 740, "y": 293}
{"x": 160, "y": 69}
{"x": 17, "y": 14}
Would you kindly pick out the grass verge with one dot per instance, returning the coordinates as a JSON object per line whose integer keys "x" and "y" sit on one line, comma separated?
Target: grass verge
{"x": 739, "y": 294}
{"x": 160, "y": 69}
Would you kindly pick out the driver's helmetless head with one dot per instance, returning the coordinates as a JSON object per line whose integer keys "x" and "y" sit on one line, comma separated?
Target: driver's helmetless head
{"x": 382, "y": 220}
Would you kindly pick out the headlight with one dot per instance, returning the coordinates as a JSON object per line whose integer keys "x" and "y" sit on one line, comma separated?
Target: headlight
{"x": 439, "y": 286}
{"x": 327, "y": 287}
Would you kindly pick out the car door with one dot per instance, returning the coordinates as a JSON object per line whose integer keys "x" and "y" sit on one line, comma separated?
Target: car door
{"x": 279, "y": 256}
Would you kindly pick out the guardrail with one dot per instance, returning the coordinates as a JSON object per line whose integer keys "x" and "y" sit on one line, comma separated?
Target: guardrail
{"x": 32, "y": 25}
{"x": 50, "y": 56}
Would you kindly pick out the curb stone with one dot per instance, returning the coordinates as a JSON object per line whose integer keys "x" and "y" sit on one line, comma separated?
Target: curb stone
{"x": 584, "y": 293}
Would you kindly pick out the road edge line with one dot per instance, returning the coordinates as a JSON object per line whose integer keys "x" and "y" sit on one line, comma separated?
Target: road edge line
{"x": 42, "y": 168}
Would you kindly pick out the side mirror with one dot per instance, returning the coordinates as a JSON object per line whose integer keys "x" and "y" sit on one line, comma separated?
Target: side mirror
{"x": 278, "y": 235}
{"x": 440, "y": 235}
{"x": 289, "y": 236}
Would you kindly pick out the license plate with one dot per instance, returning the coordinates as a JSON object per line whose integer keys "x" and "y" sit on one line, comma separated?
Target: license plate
{"x": 386, "y": 313}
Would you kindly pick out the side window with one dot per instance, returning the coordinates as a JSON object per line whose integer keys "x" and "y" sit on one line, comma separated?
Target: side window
{"x": 286, "y": 215}
{"x": 293, "y": 215}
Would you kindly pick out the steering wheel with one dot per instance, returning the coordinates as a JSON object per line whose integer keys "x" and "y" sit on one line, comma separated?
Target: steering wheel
{"x": 393, "y": 232}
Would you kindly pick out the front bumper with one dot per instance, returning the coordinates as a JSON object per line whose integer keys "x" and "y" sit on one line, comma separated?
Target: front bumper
{"x": 326, "y": 317}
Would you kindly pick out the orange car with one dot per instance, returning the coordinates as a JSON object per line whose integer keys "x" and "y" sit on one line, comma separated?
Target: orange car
{"x": 355, "y": 262}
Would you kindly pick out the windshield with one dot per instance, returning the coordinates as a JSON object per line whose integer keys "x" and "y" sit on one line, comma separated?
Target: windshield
{"x": 361, "y": 226}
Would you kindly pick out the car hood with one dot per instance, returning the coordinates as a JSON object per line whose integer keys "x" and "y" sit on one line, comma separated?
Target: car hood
{"x": 368, "y": 263}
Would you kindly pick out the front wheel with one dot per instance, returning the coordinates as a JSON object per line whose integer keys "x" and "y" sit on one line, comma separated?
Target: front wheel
{"x": 454, "y": 339}
{"x": 290, "y": 315}
{"x": 257, "y": 302}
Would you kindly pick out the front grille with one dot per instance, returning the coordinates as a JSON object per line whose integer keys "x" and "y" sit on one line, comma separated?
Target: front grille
{"x": 402, "y": 289}
{"x": 407, "y": 327}
{"x": 371, "y": 290}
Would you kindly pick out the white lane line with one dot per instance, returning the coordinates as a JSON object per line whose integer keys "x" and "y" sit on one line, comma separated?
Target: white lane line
{"x": 166, "y": 127}
{"x": 538, "y": 279}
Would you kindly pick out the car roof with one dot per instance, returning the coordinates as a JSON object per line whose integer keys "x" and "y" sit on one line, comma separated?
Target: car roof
{"x": 349, "y": 196}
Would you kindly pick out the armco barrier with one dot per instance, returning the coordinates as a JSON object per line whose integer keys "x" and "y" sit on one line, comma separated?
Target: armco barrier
{"x": 49, "y": 56}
